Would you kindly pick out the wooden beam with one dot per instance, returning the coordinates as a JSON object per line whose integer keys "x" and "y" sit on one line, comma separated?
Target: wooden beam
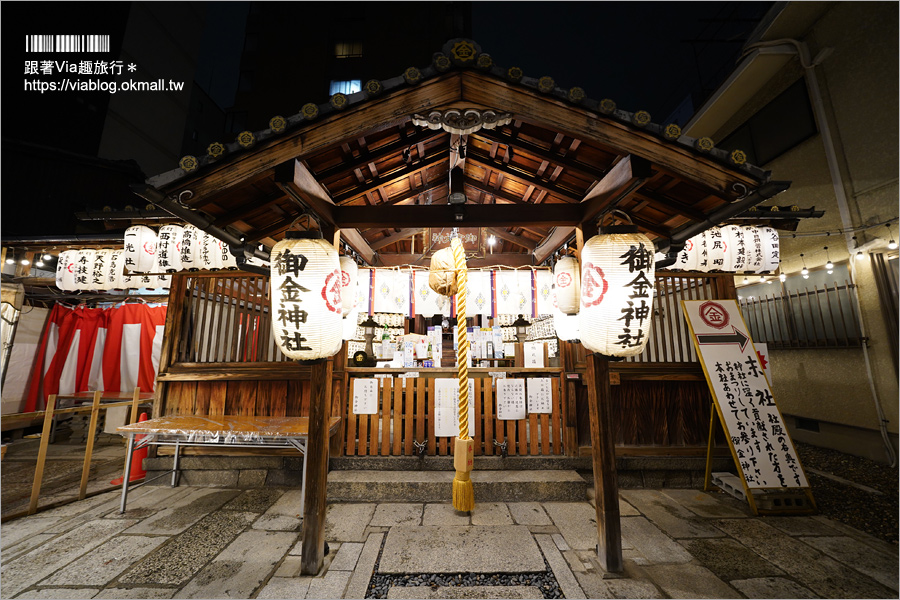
{"x": 442, "y": 215}
{"x": 526, "y": 179}
{"x": 248, "y": 210}
{"x": 392, "y": 177}
{"x": 508, "y": 259}
{"x": 395, "y": 237}
{"x": 606, "y": 487}
{"x": 605, "y": 131}
{"x": 628, "y": 175}
{"x": 495, "y": 192}
{"x": 551, "y": 244}
{"x": 313, "y": 550}
{"x": 515, "y": 239}
{"x": 497, "y": 135}
{"x": 673, "y": 205}
{"x": 415, "y": 191}
{"x": 366, "y": 156}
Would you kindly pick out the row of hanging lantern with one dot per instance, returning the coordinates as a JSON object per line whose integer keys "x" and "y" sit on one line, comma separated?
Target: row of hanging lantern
{"x": 175, "y": 248}
{"x": 731, "y": 248}
{"x": 101, "y": 270}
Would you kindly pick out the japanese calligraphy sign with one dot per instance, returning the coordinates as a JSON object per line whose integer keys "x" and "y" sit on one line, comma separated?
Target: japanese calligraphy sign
{"x": 533, "y": 354}
{"x": 756, "y": 432}
{"x": 99, "y": 270}
{"x": 617, "y": 278}
{"x": 510, "y": 399}
{"x": 306, "y": 298}
{"x": 84, "y": 267}
{"x": 168, "y": 248}
{"x": 446, "y": 407}
{"x": 540, "y": 396}
{"x": 365, "y": 396}
{"x": 471, "y": 238}
{"x": 140, "y": 249}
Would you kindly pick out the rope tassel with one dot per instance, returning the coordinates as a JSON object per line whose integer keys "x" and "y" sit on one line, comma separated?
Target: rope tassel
{"x": 464, "y": 450}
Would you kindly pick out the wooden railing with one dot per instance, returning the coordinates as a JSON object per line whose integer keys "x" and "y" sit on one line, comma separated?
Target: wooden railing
{"x": 405, "y": 418}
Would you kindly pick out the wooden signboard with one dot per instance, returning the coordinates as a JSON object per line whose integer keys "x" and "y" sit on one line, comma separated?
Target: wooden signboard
{"x": 472, "y": 239}
{"x": 758, "y": 439}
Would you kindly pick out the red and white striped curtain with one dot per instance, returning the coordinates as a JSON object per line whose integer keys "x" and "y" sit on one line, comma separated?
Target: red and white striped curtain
{"x": 86, "y": 349}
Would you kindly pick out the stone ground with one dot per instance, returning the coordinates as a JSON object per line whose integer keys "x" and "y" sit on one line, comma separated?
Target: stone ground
{"x": 195, "y": 542}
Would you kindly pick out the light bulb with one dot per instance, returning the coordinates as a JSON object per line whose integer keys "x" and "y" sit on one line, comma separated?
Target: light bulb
{"x": 746, "y": 280}
{"x": 859, "y": 255}
{"x": 10, "y": 261}
{"x": 892, "y": 245}
{"x": 39, "y": 263}
{"x": 804, "y": 271}
{"x": 829, "y": 265}
{"x": 782, "y": 277}
{"x": 829, "y": 271}
{"x": 25, "y": 261}
{"x": 491, "y": 241}
{"x": 47, "y": 257}
{"x": 806, "y": 277}
{"x": 768, "y": 282}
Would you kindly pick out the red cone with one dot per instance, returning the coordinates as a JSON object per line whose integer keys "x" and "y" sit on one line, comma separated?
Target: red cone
{"x": 137, "y": 459}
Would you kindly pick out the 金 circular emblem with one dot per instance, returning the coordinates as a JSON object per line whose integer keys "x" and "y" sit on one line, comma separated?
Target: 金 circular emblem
{"x": 331, "y": 291}
{"x": 689, "y": 245}
{"x": 563, "y": 280}
{"x": 593, "y": 285}
{"x": 714, "y": 314}
{"x": 150, "y": 248}
{"x": 345, "y": 278}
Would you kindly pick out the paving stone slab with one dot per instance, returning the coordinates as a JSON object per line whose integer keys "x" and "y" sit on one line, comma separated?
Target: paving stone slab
{"x": 528, "y": 513}
{"x": 105, "y": 562}
{"x": 257, "y": 500}
{"x": 670, "y": 516}
{"x": 632, "y": 588}
{"x": 136, "y": 594}
{"x": 626, "y": 510}
{"x": 823, "y": 575}
{"x": 653, "y": 544}
{"x": 60, "y": 593}
{"x": 594, "y": 586}
{"x": 689, "y": 581}
{"x": 771, "y": 587}
{"x": 456, "y": 549}
{"x": 347, "y": 522}
{"x": 729, "y": 560}
{"x": 712, "y": 505}
{"x": 880, "y": 567}
{"x": 184, "y": 512}
{"x": 13, "y": 532}
{"x": 577, "y": 522}
{"x": 865, "y": 538}
{"x": 346, "y": 557}
{"x": 283, "y": 515}
{"x": 239, "y": 569}
{"x": 491, "y": 513}
{"x": 393, "y": 514}
{"x": 798, "y": 525}
{"x": 359, "y": 580}
{"x": 523, "y": 592}
{"x": 564, "y": 577}
{"x": 289, "y": 567}
{"x": 279, "y": 588}
{"x": 177, "y": 561}
{"x": 332, "y": 585}
{"x": 18, "y": 574}
{"x": 26, "y": 545}
{"x": 440, "y": 514}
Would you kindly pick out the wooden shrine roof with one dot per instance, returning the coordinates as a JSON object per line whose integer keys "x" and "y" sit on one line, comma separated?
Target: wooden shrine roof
{"x": 362, "y": 164}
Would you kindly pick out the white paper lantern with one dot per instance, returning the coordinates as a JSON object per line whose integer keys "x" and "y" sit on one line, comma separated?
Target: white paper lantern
{"x": 140, "y": 249}
{"x": 700, "y": 241}
{"x": 687, "y": 258}
{"x": 84, "y": 266}
{"x": 754, "y": 250}
{"x": 228, "y": 261}
{"x": 115, "y": 267}
{"x": 566, "y": 281}
{"x": 306, "y": 297}
{"x": 736, "y": 251}
{"x": 99, "y": 269}
{"x": 716, "y": 245}
{"x": 771, "y": 249}
{"x": 65, "y": 270}
{"x": 160, "y": 279}
{"x": 617, "y": 280}
{"x": 168, "y": 250}
{"x": 210, "y": 253}
{"x": 566, "y": 326}
{"x": 190, "y": 248}
{"x": 349, "y": 272}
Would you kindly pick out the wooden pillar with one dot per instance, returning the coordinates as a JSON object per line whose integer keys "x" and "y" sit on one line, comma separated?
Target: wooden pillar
{"x": 313, "y": 552}
{"x": 606, "y": 487}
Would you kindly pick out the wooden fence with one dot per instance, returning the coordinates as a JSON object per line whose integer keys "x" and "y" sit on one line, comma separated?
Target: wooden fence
{"x": 406, "y": 417}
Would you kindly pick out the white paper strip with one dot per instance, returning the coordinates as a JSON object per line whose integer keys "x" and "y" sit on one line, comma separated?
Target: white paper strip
{"x": 540, "y": 396}
{"x": 510, "y": 399}
{"x": 365, "y": 396}
{"x": 446, "y": 407}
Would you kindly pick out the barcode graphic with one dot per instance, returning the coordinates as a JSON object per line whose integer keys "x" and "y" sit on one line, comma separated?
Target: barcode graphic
{"x": 66, "y": 43}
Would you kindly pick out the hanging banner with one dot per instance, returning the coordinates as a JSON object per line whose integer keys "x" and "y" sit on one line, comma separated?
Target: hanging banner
{"x": 543, "y": 291}
{"x": 514, "y": 293}
{"x": 428, "y": 302}
{"x": 391, "y": 291}
{"x": 478, "y": 296}
{"x": 755, "y": 429}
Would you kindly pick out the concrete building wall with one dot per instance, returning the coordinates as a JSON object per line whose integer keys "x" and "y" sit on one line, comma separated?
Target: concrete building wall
{"x": 859, "y": 89}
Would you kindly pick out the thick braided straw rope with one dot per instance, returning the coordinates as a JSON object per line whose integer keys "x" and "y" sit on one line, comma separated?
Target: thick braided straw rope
{"x": 464, "y": 449}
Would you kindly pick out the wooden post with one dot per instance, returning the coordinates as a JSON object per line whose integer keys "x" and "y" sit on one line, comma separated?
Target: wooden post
{"x": 42, "y": 454}
{"x": 313, "y": 549}
{"x": 89, "y": 451}
{"x": 606, "y": 487}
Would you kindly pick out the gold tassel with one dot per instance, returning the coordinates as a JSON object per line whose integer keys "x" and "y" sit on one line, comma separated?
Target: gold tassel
{"x": 463, "y": 461}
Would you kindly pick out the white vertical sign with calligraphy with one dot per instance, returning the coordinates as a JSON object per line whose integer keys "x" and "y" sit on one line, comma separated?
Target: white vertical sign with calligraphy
{"x": 510, "y": 399}
{"x": 534, "y": 354}
{"x": 365, "y": 396}
{"x": 540, "y": 396}
{"x": 446, "y": 407}
{"x": 753, "y": 424}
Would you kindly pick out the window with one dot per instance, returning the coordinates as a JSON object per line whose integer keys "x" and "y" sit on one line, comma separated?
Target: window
{"x": 348, "y": 50}
{"x": 349, "y": 86}
{"x": 776, "y": 128}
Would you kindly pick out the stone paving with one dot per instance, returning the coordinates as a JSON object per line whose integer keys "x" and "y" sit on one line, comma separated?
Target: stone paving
{"x": 196, "y": 542}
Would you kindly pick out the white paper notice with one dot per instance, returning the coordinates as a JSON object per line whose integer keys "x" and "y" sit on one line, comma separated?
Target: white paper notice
{"x": 365, "y": 396}
{"x": 510, "y": 399}
{"x": 446, "y": 407}
{"x": 534, "y": 354}
{"x": 540, "y": 397}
